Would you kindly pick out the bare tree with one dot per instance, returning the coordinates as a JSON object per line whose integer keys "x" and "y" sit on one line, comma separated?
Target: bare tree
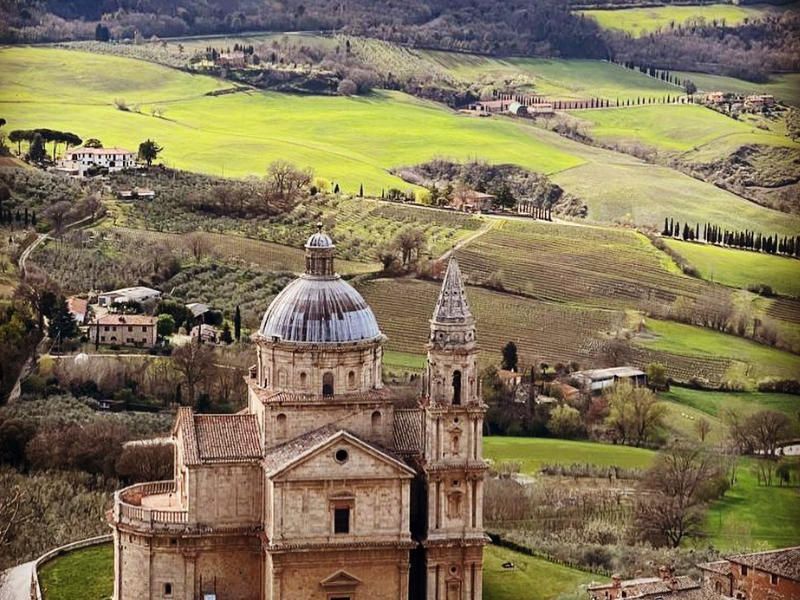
{"x": 410, "y": 242}
{"x": 703, "y": 427}
{"x": 12, "y": 515}
{"x": 57, "y": 215}
{"x": 198, "y": 245}
{"x": 286, "y": 180}
{"x": 674, "y": 492}
{"x": 194, "y": 361}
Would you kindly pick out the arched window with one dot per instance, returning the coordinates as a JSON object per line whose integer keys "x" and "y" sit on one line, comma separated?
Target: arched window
{"x": 280, "y": 420}
{"x": 456, "y": 388}
{"x": 327, "y": 384}
{"x": 282, "y": 378}
{"x": 376, "y": 420}
{"x": 351, "y": 379}
{"x": 303, "y": 379}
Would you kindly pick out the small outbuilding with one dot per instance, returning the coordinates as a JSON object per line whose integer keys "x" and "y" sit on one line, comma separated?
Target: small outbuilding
{"x": 596, "y": 380}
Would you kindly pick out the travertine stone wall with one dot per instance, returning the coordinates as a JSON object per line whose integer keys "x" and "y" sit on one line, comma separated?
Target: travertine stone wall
{"x": 302, "y": 500}
{"x": 455, "y": 573}
{"x": 376, "y": 575}
{"x": 225, "y": 495}
{"x": 147, "y": 565}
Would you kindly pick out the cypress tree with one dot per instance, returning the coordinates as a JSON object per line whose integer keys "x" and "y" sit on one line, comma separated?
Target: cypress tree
{"x": 237, "y": 324}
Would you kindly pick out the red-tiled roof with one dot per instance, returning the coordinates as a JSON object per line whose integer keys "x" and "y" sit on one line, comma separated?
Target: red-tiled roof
{"x": 784, "y": 562}
{"x": 77, "y": 305}
{"x": 408, "y": 431}
{"x": 209, "y": 439}
{"x": 100, "y": 151}
{"x": 110, "y": 319}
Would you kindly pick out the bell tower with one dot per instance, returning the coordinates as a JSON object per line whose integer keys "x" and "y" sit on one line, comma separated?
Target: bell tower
{"x": 453, "y": 462}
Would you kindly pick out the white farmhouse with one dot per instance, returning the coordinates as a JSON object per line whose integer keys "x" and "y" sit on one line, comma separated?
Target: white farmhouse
{"x": 78, "y": 160}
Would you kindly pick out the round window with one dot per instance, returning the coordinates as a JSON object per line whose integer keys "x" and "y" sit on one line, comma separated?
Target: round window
{"x": 341, "y": 455}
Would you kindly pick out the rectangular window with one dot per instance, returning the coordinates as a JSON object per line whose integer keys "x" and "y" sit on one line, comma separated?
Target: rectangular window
{"x": 341, "y": 520}
{"x": 144, "y": 328}
{"x": 773, "y": 579}
{"x": 130, "y": 328}
{"x": 168, "y": 590}
{"x": 105, "y": 328}
{"x": 744, "y": 569}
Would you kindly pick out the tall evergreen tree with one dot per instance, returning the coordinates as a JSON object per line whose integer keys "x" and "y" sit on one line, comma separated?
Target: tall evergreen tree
{"x": 237, "y": 324}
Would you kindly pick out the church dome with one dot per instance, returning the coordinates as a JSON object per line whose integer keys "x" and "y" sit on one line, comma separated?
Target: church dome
{"x": 319, "y": 307}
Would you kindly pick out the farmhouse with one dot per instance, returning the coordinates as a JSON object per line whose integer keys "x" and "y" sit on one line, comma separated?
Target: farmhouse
{"x": 759, "y": 101}
{"x": 541, "y": 110}
{"x": 596, "y": 380}
{"x": 126, "y": 330}
{"x": 308, "y": 492}
{"x": 770, "y": 575}
{"x": 716, "y": 97}
{"x": 129, "y": 294}
{"x": 207, "y": 334}
{"x": 490, "y": 106}
{"x": 234, "y": 60}
{"x": 80, "y": 160}
{"x": 664, "y": 587}
{"x": 472, "y": 201}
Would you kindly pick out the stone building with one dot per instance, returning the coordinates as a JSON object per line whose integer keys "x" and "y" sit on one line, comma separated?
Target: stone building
{"x": 326, "y": 486}
{"x": 770, "y": 575}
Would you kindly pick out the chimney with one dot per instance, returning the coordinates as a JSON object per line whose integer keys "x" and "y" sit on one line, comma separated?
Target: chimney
{"x": 616, "y": 581}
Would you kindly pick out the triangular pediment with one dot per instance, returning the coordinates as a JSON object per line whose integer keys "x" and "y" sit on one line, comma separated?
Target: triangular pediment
{"x": 303, "y": 463}
{"x": 340, "y": 579}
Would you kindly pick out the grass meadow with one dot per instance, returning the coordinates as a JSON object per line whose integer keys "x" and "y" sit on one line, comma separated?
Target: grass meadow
{"x": 740, "y": 268}
{"x": 532, "y": 453}
{"x": 751, "y": 515}
{"x": 556, "y": 78}
{"x": 678, "y": 128}
{"x": 752, "y": 361}
{"x": 87, "y": 573}
{"x": 531, "y": 578}
{"x": 351, "y": 141}
{"x": 641, "y": 21}
{"x": 714, "y": 403}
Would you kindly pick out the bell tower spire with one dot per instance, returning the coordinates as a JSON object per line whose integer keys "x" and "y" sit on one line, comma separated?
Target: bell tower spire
{"x": 452, "y": 370}
{"x": 454, "y": 466}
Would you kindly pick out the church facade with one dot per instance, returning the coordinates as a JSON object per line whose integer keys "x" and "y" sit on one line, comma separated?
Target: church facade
{"x": 327, "y": 486}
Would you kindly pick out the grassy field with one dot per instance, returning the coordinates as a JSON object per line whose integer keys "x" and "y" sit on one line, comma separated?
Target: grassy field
{"x": 352, "y": 141}
{"x": 740, "y": 268}
{"x": 348, "y": 140}
{"x": 750, "y": 360}
{"x": 556, "y": 78}
{"x": 87, "y": 574}
{"x": 713, "y": 403}
{"x": 751, "y": 515}
{"x": 641, "y": 21}
{"x": 677, "y": 128}
{"x": 680, "y": 423}
{"x": 531, "y": 578}
{"x": 532, "y": 453}
{"x": 785, "y": 87}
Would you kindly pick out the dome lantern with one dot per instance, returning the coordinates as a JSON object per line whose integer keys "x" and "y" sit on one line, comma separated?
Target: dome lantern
{"x": 319, "y": 254}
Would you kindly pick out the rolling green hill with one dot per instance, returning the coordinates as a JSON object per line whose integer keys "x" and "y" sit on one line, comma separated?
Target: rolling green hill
{"x": 785, "y": 87}
{"x": 678, "y": 128}
{"x": 741, "y": 268}
{"x": 352, "y": 141}
{"x": 641, "y": 21}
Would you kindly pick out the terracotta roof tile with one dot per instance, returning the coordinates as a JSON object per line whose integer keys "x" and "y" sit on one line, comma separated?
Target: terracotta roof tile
{"x": 209, "y": 439}
{"x": 408, "y": 431}
{"x": 784, "y": 562}
{"x": 110, "y": 319}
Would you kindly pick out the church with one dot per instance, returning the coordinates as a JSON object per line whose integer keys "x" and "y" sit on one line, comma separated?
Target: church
{"x": 327, "y": 486}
